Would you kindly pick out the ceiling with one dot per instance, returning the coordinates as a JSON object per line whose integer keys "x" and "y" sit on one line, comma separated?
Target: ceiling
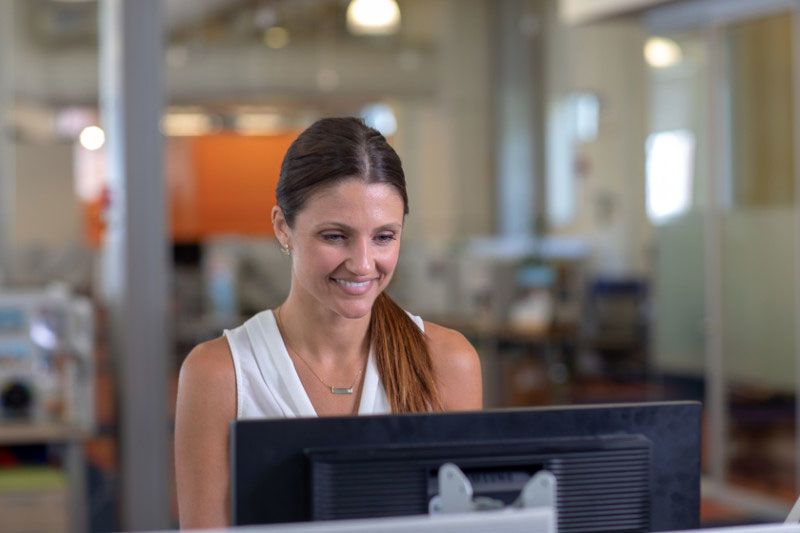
{"x": 56, "y": 24}
{"x": 216, "y": 58}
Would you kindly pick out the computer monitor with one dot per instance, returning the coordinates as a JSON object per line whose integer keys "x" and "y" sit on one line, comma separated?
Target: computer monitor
{"x": 621, "y": 468}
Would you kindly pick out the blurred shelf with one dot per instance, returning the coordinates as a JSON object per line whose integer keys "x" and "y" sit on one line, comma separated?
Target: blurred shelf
{"x": 16, "y": 433}
{"x": 507, "y": 332}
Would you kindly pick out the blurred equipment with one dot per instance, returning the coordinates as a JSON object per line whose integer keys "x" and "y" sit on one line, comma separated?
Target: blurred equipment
{"x": 517, "y": 299}
{"x": 532, "y": 311}
{"x": 242, "y": 277}
{"x": 46, "y": 369}
{"x": 615, "y": 327}
{"x": 531, "y": 282}
{"x": 425, "y": 281}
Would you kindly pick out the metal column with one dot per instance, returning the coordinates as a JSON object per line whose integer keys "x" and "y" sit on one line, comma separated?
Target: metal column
{"x": 716, "y": 386}
{"x": 7, "y": 167}
{"x": 135, "y": 261}
{"x": 796, "y": 105}
{"x": 517, "y": 29}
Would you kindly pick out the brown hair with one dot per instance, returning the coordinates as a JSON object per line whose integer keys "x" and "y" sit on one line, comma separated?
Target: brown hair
{"x": 333, "y": 150}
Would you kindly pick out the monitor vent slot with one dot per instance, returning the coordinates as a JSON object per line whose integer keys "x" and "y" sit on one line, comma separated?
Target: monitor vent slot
{"x": 603, "y": 491}
{"x": 368, "y": 489}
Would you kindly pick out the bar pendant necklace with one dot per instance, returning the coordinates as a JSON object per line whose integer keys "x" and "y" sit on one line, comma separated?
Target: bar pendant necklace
{"x": 332, "y": 388}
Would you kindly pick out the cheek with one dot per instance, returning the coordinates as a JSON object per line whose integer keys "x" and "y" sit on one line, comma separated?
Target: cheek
{"x": 318, "y": 260}
{"x": 387, "y": 259}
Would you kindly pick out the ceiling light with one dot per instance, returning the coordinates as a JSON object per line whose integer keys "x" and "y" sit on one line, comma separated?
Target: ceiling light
{"x": 373, "y": 17}
{"x": 258, "y": 123}
{"x": 92, "y": 138}
{"x": 381, "y": 117}
{"x": 186, "y": 124}
{"x": 276, "y": 37}
{"x": 662, "y": 53}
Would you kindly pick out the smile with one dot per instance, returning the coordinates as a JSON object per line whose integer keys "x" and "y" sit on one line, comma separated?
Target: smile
{"x": 353, "y": 284}
{"x": 353, "y": 288}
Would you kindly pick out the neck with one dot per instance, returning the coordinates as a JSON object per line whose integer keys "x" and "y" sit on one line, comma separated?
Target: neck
{"x": 321, "y": 335}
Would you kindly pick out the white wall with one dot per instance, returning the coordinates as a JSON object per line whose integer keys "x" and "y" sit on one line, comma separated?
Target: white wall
{"x": 606, "y": 59}
{"x": 445, "y": 142}
{"x": 47, "y": 210}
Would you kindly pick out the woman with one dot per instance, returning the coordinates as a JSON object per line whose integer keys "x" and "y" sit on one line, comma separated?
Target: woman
{"x": 338, "y": 345}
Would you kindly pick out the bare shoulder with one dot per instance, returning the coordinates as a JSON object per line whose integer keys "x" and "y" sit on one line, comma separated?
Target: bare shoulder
{"x": 206, "y": 405}
{"x": 457, "y": 368}
{"x": 207, "y": 379}
{"x": 209, "y": 362}
{"x": 449, "y": 348}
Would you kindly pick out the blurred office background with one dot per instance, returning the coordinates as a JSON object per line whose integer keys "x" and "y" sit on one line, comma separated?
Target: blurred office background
{"x": 603, "y": 199}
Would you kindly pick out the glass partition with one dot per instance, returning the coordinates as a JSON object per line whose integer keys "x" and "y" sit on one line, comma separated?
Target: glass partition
{"x": 758, "y": 231}
{"x": 677, "y": 146}
{"x": 721, "y": 196}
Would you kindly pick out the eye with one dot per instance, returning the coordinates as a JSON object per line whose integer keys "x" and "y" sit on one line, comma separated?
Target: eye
{"x": 333, "y": 237}
{"x": 385, "y": 238}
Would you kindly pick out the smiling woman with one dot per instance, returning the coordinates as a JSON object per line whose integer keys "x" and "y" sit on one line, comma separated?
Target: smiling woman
{"x": 338, "y": 345}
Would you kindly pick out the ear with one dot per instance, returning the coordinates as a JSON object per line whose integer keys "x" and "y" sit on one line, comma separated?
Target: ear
{"x": 281, "y": 227}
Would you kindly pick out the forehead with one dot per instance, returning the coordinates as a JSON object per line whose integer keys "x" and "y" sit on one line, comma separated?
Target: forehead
{"x": 352, "y": 201}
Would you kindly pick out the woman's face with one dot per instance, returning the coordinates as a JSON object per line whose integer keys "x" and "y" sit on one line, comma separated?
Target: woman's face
{"x": 345, "y": 243}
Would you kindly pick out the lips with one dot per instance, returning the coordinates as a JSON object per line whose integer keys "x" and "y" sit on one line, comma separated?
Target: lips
{"x": 354, "y": 288}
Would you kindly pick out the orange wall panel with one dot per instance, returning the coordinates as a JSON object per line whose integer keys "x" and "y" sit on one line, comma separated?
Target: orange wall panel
{"x": 235, "y": 178}
{"x": 216, "y": 184}
{"x": 182, "y": 190}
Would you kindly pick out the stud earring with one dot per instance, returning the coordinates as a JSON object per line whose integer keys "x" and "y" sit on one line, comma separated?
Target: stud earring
{"x": 285, "y": 250}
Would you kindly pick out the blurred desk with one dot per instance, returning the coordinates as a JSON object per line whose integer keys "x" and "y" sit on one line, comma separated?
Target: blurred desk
{"x": 18, "y": 433}
{"x": 549, "y": 343}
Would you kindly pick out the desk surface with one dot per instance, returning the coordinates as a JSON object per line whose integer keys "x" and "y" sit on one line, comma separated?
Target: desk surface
{"x": 763, "y": 528}
{"x": 528, "y": 521}
{"x": 538, "y": 520}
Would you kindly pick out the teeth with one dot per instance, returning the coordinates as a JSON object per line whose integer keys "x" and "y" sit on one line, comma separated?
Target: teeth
{"x": 352, "y": 283}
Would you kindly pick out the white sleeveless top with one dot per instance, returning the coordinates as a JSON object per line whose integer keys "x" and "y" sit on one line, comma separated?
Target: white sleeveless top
{"x": 267, "y": 383}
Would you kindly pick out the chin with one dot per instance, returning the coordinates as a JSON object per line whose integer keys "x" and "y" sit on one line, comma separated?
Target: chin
{"x": 355, "y": 310}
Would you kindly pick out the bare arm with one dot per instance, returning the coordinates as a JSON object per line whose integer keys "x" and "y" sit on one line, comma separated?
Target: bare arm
{"x": 206, "y": 405}
{"x": 457, "y": 368}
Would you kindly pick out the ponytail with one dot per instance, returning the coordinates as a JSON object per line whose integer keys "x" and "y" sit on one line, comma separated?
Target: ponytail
{"x": 402, "y": 357}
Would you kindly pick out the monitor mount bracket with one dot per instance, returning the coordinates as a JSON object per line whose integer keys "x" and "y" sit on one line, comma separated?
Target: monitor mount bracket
{"x": 456, "y": 495}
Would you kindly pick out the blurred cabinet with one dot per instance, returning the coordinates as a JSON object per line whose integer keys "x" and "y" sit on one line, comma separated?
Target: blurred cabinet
{"x": 34, "y": 510}
{"x": 47, "y": 403}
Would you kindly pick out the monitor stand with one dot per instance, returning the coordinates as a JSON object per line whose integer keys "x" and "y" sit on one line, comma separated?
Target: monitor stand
{"x": 455, "y": 493}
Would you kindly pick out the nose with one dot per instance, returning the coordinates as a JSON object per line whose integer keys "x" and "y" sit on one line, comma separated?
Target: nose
{"x": 360, "y": 262}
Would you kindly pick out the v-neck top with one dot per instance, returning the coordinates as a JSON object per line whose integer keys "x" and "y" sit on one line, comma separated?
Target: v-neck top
{"x": 267, "y": 383}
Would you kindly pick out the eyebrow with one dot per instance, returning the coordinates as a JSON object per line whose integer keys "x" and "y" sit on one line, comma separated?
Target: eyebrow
{"x": 391, "y": 226}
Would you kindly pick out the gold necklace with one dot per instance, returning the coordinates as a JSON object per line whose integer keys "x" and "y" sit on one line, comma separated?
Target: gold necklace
{"x": 334, "y": 389}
